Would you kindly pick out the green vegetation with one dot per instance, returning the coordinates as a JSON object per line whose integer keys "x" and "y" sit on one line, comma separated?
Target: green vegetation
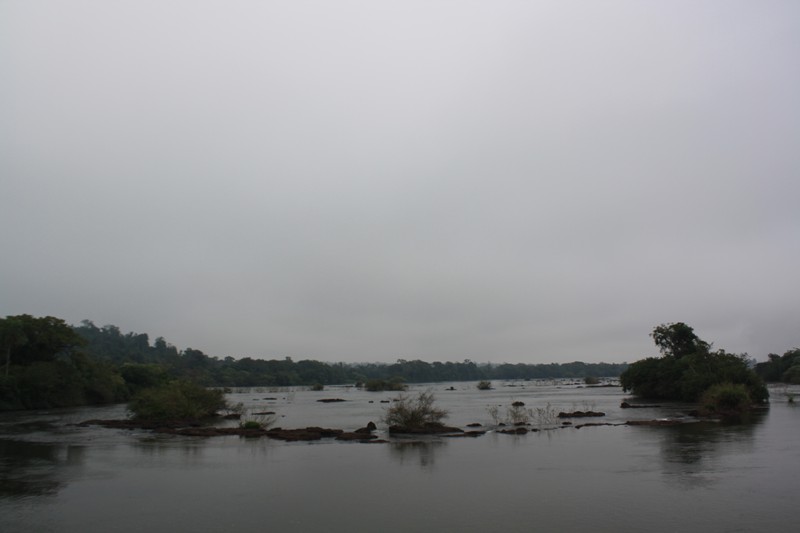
{"x": 44, "y": 366}
{"x": 258, "y": 421}
{"x": 725, "y": 399}
{"x": 785, "y": 368}
{"x": 179, "y": 400}
{"x": 484, "y": 385}
{"x": 518, "y": 414}
{"x": 109, "y": 344}
{"x": 688, "y": 368}
{"x": 417, "y": 413}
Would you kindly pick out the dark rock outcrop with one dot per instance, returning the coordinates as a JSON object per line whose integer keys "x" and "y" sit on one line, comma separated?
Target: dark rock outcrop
{"x": 515, "y": 431}
{"x": 465, "y": 434}
{"x": 595, "y": 424}
{"x": 369, "y": 428}
{"x": 580, "y": 414}
{"x": 304, "y": 434}
{"x": 427, "y": 429}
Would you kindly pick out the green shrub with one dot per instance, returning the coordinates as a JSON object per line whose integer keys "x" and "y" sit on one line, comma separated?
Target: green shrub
{"x": 177, "y": 400}
{"x": 258, "y": 421}
{"x": 517, "y": 414}
{"x": 416, "y": 413}
{"x": 726, "y": 399}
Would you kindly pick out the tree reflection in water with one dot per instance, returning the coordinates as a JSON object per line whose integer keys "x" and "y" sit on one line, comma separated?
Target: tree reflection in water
{"x": 422, "y": 450}
{"x": 36, "y": 469}
{"x": 695, "y": 454}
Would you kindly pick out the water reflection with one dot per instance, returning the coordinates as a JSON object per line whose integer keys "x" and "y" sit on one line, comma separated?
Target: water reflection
{"x": 34, "y": 469}
{"x": 692, "y": 454}
{"x": 422, "y": 451}
{"x": 177, "y": 452}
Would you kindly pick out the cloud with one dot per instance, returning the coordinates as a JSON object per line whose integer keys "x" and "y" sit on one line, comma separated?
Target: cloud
{"x": 352, "y": 181}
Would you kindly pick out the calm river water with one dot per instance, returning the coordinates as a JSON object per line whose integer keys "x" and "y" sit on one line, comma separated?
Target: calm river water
{"x": 702, "y": 477}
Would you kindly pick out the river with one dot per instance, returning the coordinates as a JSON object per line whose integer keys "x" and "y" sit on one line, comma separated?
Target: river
{"x": 703, "y": 476}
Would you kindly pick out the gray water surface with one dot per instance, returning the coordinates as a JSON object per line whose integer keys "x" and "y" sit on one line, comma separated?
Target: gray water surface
{"x": 695, "y": 477}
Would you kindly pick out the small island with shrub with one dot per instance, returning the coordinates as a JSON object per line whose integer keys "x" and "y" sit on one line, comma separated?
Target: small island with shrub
{"x": 689, "y": 371}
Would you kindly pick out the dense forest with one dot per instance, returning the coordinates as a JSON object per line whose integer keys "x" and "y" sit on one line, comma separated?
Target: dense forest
{"x": 783, "y": 368}
{"x": 48, "y": 363}
{"x": 107, "y": 343}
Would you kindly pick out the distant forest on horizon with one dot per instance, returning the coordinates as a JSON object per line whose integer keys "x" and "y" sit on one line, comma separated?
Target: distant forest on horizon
{"x": 108, "y": 343}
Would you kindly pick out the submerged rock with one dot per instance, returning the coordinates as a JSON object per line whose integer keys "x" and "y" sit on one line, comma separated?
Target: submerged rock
{"x": 626, "y": 405}
{"x": 665, "y": 422}
{"x": 361, "y": 437}
{"x": 465, "y": 434}
{"x": 137, "y": 423}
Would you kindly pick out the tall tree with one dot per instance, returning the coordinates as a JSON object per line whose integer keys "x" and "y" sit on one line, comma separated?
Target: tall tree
{"x": 677, "y": 340}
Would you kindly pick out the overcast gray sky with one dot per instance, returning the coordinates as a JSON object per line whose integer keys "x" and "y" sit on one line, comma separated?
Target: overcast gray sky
{"x": 368, "y": 180}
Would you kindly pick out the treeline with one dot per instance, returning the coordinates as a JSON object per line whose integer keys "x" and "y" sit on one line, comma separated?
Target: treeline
{"x": 783, "y": 368}
{"x": 44, "y": 366}
{"x": 48, "y": 363}
{"x": 108, "y": 343}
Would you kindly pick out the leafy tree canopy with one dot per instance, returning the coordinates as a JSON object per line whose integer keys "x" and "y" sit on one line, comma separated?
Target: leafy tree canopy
{"x": 25, "y": 339}
{"x": 677, "y": 340}
{"x": 785, "y": 368}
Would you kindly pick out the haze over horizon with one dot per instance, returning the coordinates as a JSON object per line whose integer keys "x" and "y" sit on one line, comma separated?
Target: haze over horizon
{"x": 362, "y": 181}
